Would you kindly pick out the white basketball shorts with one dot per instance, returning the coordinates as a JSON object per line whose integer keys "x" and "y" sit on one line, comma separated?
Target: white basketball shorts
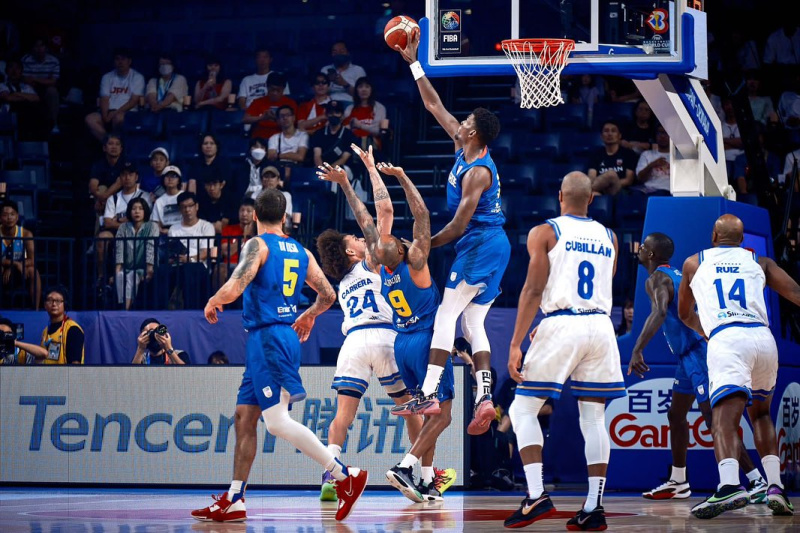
{"x": 582, "y": 347}
{"x": 367, "y": 350}
{"x": 742, "y": 359}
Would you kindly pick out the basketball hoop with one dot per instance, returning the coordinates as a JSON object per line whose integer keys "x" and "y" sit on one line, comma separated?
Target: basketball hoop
{"x": 538, "y": 63}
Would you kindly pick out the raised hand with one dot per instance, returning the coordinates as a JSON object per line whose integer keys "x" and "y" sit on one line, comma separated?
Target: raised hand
{"x": 367, "y": 157}
{"x": 390, "y": 169}
{"x": 335, "y": 174}
{"x": 409, "y": 53}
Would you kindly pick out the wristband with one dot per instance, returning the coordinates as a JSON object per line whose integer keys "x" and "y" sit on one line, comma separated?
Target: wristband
{"x": 416, "y": 70}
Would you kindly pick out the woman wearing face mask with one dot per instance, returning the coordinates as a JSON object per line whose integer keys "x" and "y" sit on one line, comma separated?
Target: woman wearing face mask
{"x": 365, "y": 115}
{"x": 214, "y": 90}
{"x": 168, "y": 90}
{"x": 248, "y": 176}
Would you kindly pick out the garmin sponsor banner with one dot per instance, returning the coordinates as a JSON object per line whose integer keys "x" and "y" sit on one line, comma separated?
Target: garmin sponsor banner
{"x": 175, "y": 425}
{"x": 639, "y": 420}
{"x": 787, "y": 426}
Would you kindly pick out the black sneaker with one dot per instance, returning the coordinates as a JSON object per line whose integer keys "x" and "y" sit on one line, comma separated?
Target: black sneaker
{"x": 429, "y": 492}
{"x": 530, "y": 511}
{"x": 778, "y": 502}
{"x": 403, "y": 480}
{"x": 594, "y": 520}
{"x": 727, "y": 498}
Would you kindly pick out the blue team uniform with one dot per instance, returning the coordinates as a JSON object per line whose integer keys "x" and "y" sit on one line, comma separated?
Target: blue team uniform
{"x": 483, "y": 251}
{"x": 413, "y": 314}
{"x": 690, "y": 348}
{"x": 270, "y": 307}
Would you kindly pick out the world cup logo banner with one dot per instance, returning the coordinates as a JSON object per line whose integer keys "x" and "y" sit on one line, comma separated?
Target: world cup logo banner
{"x": 639, "y": 421}
{"x": 787, "y": 426}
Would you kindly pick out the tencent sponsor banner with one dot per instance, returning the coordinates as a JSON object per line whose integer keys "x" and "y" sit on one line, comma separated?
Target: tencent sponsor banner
{"x": 175, "y": 426}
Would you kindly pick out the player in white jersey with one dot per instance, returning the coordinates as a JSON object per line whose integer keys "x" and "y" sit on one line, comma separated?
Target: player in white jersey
{"x": 369, "y": 336}
{"x": 573, "y": 260}
{"x": 727, "y": 284}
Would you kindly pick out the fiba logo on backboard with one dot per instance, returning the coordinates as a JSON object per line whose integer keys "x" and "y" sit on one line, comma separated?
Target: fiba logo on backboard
{"x": 451, "y": 21}
{"x": 639, "y": 421}
{"x": 788, "y": 428}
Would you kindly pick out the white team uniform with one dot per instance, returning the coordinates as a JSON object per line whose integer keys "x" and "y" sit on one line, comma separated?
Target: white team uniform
{"x": 742, "y": 356}
{"x": 369, "y": 337}
{"x": 576, "y": 338}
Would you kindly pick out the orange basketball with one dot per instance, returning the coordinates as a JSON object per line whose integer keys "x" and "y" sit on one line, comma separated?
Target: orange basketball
{"x": 398, "y": 30}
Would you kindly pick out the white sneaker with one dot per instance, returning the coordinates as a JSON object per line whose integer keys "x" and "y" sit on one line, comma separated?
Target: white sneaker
{"x": 757, "y": 491}
{"x": 671, "y": 490}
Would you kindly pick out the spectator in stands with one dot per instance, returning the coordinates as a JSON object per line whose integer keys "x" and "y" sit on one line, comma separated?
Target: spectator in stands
{"x": 192, "y": 254}
{"x": 41, "y": 71}
{"x": 248, "y": 177}
{"x": 18, "y": 97}
{"x": 627, "y": 318}
{"x": 106, "y": 171}
{"x": 332, "y": 144}
{"x": 783, "y": 45}
{"x": 168, "y": 90}
{"x": 342, "y": 73}
{"x": 19, "y": 356}
{"x": 216, "y": 203}
{"x": 621, "y": 89}
{"x": 731, "y": 137}
{"x": 218, "y": 358}
{"x": 586, "y": 92}
{"x": 155, "y": 348}
{"x": 135, "y": 250}
{"x": 212, "y": 166}
{"x": 716, "y": 101}
{"x": 652, "y": 171}
{"x": 235, "y": 235}
{"x": 747, "y": 57}
{"x": 151, "y": 182}
{"x": 743, "y": 178}
{"x": 270, "y": 179}
{"x": 289, "y": 147}
{"x": 165, "y": 211}
{"x": 214, "y": 90}
{"x": 789, "y": 110}
{"x": 255, "y": 86}
{"x": 62, "y": 339}
{"x": 117, "y": 206}
{"x": 366, "y": 115}
{"x": 120, "y": 91}
{"x": 18, "y": 264}
{"x": 763, "y": 110}
{"x": 263, "y": 111}
{"x": 639, "y": 135}
{"x": 792, "y": 159}
{"x": 311, "y": 115}
{"x": 612, "y": 166}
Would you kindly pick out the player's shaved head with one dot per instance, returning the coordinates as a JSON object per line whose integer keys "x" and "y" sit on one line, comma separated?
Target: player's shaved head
{"x": 661, "y": 246}
{"x": 728, "y": 230}
{"x": 576, "y": 190}
{"x": 389, "y": 251}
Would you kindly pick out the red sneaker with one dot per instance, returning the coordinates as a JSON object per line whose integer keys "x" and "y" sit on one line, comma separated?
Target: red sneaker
{"x": 349, "y": 491}
{"x": 226, "y": 511}
{"x": 204, "y": 514}
{"x": 484, "y": 414}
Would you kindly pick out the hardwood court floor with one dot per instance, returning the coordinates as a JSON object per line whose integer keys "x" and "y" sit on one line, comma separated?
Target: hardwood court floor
{"x": 46, "y": 510}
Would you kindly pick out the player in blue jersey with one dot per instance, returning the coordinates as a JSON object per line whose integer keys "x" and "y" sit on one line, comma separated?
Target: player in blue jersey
{"x": 691, "y": 379}
{"x": 271, "y": 271}
{"x": 482, "y": 250}
{"x": 407, "y": 285}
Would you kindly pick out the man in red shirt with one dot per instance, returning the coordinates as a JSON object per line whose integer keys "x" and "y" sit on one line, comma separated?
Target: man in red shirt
{"x": 233, "y": 238}
{"x": 263, "y": 111}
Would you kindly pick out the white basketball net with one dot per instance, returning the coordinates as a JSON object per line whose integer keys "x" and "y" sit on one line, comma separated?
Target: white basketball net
{"x": 538, "y": 65}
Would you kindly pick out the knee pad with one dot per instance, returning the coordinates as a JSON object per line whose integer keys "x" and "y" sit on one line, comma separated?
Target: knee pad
{"x": 523, "y": 412}
{"x": 454, "y": 301}
{"x": 472, "y": 323}
{"x": 595, "y": 435}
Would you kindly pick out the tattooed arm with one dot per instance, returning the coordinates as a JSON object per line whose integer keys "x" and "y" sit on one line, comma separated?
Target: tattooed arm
{"x": 383, "y": 203}
{"x": 325, "y": 298}
{"x": 253, "y": 255}
{"x": 421, "y": 247}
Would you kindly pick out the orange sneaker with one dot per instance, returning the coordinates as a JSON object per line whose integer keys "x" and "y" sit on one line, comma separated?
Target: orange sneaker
{"x": 350, "y": 490}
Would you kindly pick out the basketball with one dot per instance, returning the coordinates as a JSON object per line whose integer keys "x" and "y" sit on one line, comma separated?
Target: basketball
{"x": 398, "y": 30}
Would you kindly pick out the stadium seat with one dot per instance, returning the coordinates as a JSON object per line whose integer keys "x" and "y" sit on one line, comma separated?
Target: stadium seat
{"x": 33, "y": 151}
{"x": 227, "y": 121}
{"x": 138, "y": 147}
{"x": 574, "y": 116}
{"x": 39, "y": 175}
{"x": 617, "y": 111}
{"x": 538, "y": 145}
{"x": 751, "y": 199}
{"x": 233, "y": 144}
{"x": 513, "y": 118}
{"x": 143, "y": 123}
{"x": 630, "y": 210}
{"x": 8, "y": 124}
{"x": 518, "y": 179}
{"x": 185, "y": 148}
{"x": 601, "y": 209}
{"x": 579, "y": 143}
{"x": 186, "y": 123}
{"x": 16, "y": 179}
{"x": 532, "y": 210}
{"x": 437, "y": 207}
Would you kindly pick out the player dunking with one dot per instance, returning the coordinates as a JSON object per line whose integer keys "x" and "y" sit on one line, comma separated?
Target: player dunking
{"x": 482, "y": 251}
{"x": 691, "y": 379}
{"x": 573, "y": 259}
{"x": 407, "y": 285}
{"x": 270, "y": 274}
{"x": 369, "y": 335}
{"x": 727, "y": 284}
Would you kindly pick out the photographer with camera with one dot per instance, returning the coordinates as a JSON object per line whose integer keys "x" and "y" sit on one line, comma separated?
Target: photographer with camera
{"x": 10, "y": 351}
{"x": 154, "y": 346}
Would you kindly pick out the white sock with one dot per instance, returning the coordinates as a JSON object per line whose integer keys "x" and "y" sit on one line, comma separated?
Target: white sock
{"x": 427, "y": 474}
{"x": 337, "y": 470}
{"x": 772, "y": 468}
{"x": 432, "y": 379}
{"x": 336, "y": 450}
{"x": 236, "y": 490}
{"x": 409, "y": 461}
{"x": 728, "y": 472}
{"x": 484, "y": 384}
{"x": 533, "y": 475}
{"x": 754, "y": 475}
{"x": 595, "y": 497}
{"x": 678, "y": 474}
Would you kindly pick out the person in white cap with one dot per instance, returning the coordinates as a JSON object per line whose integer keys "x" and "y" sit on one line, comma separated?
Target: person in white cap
{"x": 165, "y": 210}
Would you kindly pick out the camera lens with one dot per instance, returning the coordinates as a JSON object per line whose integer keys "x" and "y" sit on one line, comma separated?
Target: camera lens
{"x": 161, "y": 329}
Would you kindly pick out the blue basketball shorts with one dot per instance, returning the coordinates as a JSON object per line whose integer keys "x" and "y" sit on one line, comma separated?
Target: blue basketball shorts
{"x": 272, "y": 363}
{"x": 481, "y": 259}
{"x": 411, "y": 352}
{"x": 692, "y": 374}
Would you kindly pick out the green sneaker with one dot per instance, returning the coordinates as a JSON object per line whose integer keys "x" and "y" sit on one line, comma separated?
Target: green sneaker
{"x": 727, "y": 498}
{"x": 328, "y": 492}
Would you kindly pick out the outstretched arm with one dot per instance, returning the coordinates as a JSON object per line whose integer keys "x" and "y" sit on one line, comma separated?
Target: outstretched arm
{"x": 339, "y": 176}
{"x": 429, "y": 95}
{"x": 779, "y": 281}
{"x": 253, "y": 256}
{"x": 383, "y": 203}
{"x": 474, "y": 182}
{"x": 660, "y": 290}
{"x": 421, "y": 247}
{"x": 686, "y": 301}
{"x": 325, "y": 298}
